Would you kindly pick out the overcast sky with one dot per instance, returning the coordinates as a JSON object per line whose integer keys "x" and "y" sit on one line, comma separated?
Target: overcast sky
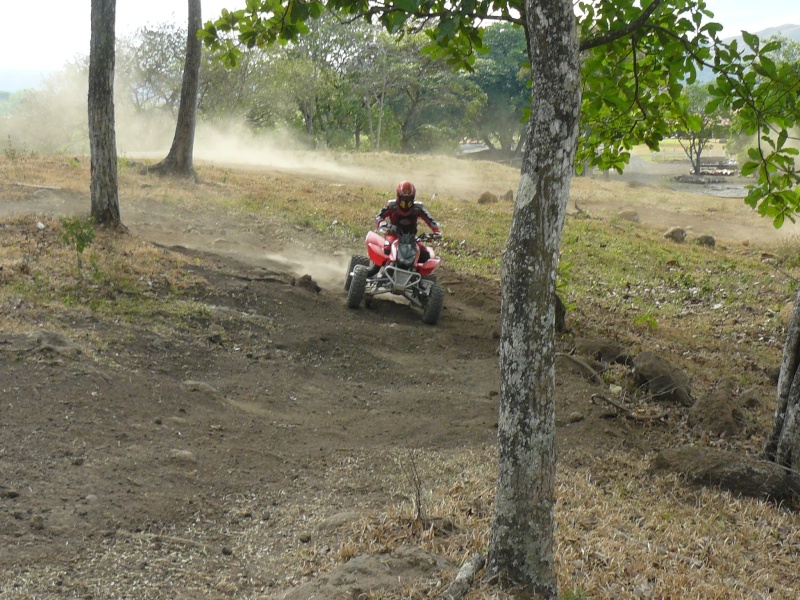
{"x": 754, "y": 15}
{"x": 30, "y": 35}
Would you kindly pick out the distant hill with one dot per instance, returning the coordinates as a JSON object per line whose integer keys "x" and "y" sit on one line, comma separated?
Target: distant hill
{"x": 791, "y": 32}
{"x": 13, "y": 80}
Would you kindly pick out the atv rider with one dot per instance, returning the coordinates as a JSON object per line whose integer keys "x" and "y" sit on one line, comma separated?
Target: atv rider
{"x": 400, "y": 216}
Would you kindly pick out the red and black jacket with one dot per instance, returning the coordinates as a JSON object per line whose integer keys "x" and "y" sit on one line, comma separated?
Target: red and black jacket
{"x": 406, "y": 223}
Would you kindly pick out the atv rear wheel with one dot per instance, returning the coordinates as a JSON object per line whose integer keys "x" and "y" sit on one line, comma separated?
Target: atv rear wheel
{"x": 357, "y": 286}
{"x": 434, "y": 305}
{"x": 354, "y": 260}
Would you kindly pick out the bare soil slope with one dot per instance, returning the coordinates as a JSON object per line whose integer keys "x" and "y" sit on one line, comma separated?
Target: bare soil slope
{"x": 115, "y": 433}
{"x": 223, "y": 455}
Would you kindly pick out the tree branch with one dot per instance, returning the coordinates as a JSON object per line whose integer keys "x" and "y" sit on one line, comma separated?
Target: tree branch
{"x": 382, "y": 9}
{"x": 636, "y": 97}
{"x": 629, "y": 413}
{"x": 611, "y": 36}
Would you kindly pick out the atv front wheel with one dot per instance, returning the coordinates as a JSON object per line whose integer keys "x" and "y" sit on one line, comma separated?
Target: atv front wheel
{"x": 354, "y": 260}
{"x": 434, "y": 305}
{"x": 357, "y": 286}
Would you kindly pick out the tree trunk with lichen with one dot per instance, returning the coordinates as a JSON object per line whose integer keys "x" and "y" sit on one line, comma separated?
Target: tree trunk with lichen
{"x": 523, "y": 523}
{"x": 104, "y": 186}
{"x": 180, "y": 159}
{"x": 783, "y": 444}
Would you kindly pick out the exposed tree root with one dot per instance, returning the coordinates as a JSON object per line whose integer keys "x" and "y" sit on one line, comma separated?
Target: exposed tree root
{"x": 463, "y": 581}
{"x": 627, "y": 413}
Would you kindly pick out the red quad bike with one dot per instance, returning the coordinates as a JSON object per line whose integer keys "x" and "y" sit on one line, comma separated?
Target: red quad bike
{"x": 400, "y": 273}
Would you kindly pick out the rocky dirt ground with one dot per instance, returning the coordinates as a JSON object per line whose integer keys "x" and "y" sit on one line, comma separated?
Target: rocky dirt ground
{"x": 236, "y": 454}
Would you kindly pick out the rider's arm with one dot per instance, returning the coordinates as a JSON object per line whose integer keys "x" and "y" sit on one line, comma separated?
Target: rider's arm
{"x": 381, "y": 216}
{"x": 428, "y": 218}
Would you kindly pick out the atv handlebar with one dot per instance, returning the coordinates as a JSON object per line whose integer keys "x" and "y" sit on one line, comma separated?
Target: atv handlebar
{"x": 423, "y": 237}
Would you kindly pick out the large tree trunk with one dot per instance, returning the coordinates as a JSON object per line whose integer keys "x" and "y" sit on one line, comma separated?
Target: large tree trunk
{"x": 179, "y": 160}
{"x": 523, "y": 524}
{"x": 102, "y": 136}
{"x": 783, "y": 444}
{"x": 381, "y": 99}
{"x": 380, "y": 121}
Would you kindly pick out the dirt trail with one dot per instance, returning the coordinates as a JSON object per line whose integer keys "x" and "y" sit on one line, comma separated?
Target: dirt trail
{"x": 194, "y": 462}
{"x": 124, "y": 432}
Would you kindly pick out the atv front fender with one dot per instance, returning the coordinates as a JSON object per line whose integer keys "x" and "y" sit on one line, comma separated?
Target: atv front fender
{"x": 429, "y": 266}
{"x": 375, "y": 248}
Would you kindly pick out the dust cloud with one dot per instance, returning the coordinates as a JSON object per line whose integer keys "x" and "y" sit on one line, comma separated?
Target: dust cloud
{"x": 53, "y": 120}
{"x": 433, "y": 175}
{"x": 328, "y": 271}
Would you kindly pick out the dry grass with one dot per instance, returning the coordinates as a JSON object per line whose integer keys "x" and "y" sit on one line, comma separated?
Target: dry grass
{"x": 622, "y": 533}
{"x": 120, "y": 275}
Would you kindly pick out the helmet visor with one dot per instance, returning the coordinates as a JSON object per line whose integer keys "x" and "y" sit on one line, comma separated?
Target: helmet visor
{"x": 405, "y": 202}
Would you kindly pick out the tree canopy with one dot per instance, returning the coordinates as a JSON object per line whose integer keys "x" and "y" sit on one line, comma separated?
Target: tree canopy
{"x": 502, "y": 75}
{"x": 696, "y": 126}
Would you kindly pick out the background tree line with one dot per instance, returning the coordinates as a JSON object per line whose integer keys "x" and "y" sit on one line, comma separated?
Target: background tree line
{"x": 345, "y": 86}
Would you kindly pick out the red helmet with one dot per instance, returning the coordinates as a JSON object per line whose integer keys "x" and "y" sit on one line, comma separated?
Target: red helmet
{"x": 406, "y": 192}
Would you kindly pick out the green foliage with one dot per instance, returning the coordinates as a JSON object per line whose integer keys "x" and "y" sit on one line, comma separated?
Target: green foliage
{"x": 78, "y": 232}
{"x": 564, "y": 274}
{"x": 764, "y": 93}
{"x": 149, "y": 64}
{"x": 699, "y": 121}
{"x": 454, "y": 37}
{"x": 632, "y": 83}
{"x": 430, "y": 104}
{"x": 646, "y": 321}
{"x": 16, "y": 151}
{"x": 633, "y": 90}
{"x": 11, "y": 151}
{"x": 124, "y": 163}
{"x": 636, "y": 62}
{"x": 263, "y": 22}
{"x": 502, "y": 73}
{"x": 351, "y": 85}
